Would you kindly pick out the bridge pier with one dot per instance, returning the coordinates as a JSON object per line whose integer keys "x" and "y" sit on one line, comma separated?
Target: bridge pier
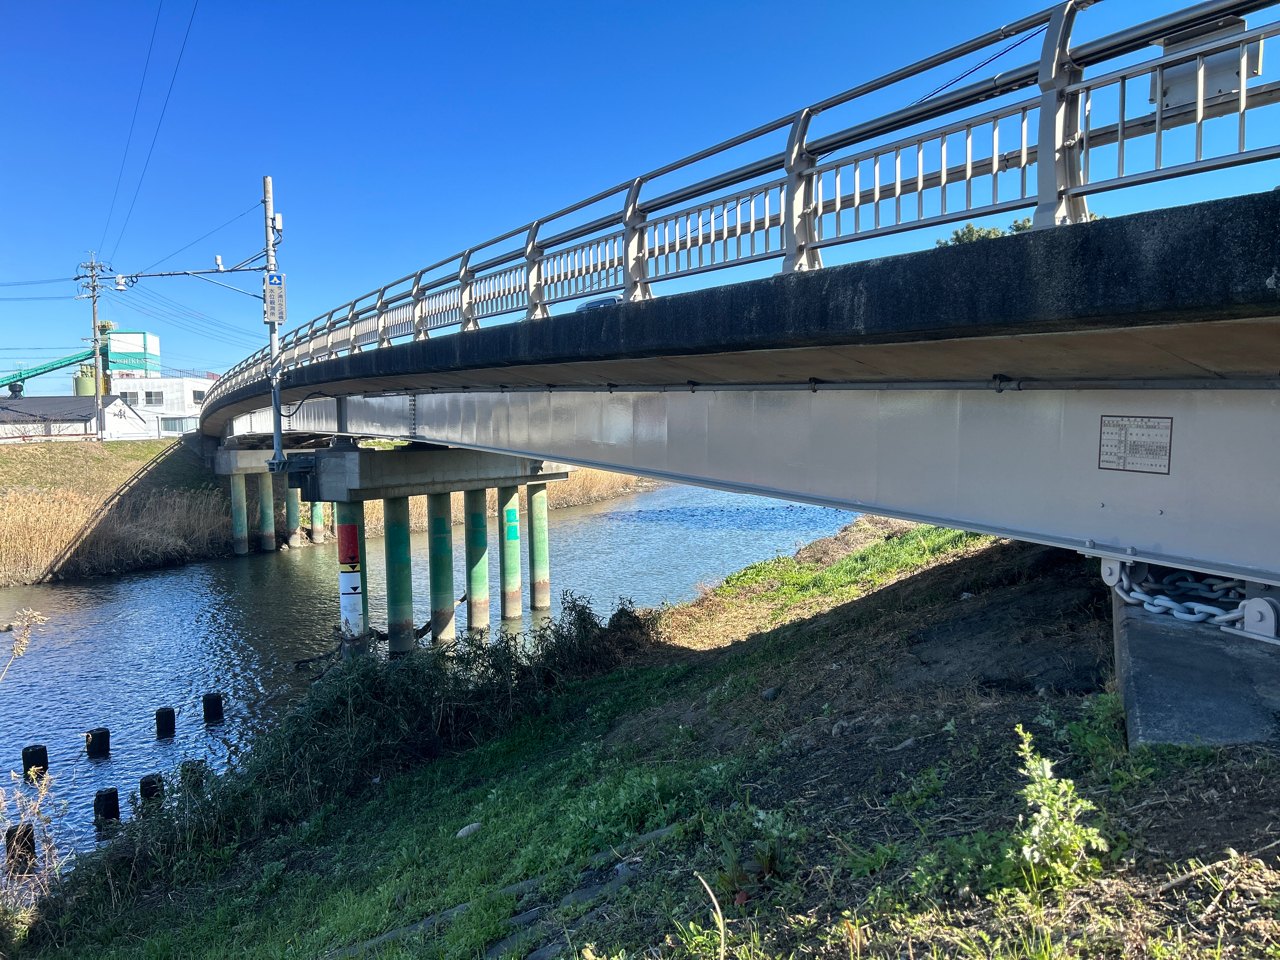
{"x": 316, "y": 531}
{"x": 397, "y": 545}
{"x": 348, "y": 476}
{"x": 476, "y": 528}
{"x": 352, "y": 602}
{"x": 539, "y": 551}
{"x": 266, "y": 513}
{"x": 292, "y": 523}
{"x": 239, "y": 516}
{"x": 440, "y": 566}
{"x": 509, "y": 552}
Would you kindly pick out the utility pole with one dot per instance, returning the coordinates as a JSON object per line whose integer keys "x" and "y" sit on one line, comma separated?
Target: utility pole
{"x": 89, "y": 277}
{"x": 272, "y": 313}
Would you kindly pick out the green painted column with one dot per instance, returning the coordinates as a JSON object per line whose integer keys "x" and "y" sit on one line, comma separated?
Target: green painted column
{"x": 317, "y": 523}
{"x": 292, "y": 523}
{"x": 539, "y": 552}
{"x": 440, "y": 551}
{"x": 509, "y": 555}
{"x": 477, "y": 536}
{"x": 396, "y": 542}
{"x": 239, "y": 516}
{"x": 266, "y": 513}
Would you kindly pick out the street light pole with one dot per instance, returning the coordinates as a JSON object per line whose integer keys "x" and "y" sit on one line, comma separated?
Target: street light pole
{"x": 277, "y": 463}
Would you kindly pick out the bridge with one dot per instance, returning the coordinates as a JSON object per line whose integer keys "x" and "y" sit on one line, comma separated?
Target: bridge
{"x": 1107, "y": 386}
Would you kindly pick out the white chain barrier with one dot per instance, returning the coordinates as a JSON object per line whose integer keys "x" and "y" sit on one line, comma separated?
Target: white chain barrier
{"x": 1183, "y": 596}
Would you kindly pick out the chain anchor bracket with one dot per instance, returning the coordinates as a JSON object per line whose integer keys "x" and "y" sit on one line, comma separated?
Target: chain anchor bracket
{"x": 1251, "y": 614}
{"x": 1260, "y": 620}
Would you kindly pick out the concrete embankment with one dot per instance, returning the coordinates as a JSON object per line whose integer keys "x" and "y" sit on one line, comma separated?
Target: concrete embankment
{"x": 73, "y": 510}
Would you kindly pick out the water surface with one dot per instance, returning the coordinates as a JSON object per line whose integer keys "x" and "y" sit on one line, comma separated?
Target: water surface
{"x": 115, "y": 649}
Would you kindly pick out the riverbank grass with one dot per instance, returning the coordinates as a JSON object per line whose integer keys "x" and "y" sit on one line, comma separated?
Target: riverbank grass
{"x": 899, "y": 747}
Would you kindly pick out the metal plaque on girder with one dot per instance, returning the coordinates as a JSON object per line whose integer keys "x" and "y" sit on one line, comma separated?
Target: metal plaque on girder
{"x": 273, "y": 298}
{"x": 1135, "y": 444}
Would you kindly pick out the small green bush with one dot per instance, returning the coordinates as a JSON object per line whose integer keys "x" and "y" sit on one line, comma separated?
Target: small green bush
{"x": 1051, "y": 846}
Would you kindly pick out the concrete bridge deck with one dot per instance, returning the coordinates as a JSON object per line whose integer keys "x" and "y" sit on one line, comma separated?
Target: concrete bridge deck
{"x": 1184, "y": 294}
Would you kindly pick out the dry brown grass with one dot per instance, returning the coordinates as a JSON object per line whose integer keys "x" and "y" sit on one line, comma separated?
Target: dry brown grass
{"x": 157, "y": 528}
{"x": 82, "y": 510}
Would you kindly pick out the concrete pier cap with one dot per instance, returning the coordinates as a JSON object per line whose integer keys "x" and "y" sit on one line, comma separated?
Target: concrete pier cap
{"x": 232, "y": 461}
{"x": 351, "y": 475}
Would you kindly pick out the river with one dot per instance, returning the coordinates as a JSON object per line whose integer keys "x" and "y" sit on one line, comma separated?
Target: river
{"x": 115, "y": 649}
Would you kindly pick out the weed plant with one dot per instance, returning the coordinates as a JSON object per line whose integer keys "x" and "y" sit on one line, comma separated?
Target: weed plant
{"x": 24, "y": 878}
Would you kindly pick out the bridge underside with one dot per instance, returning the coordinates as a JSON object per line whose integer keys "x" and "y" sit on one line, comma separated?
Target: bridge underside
{"x": 1108, "y": 387}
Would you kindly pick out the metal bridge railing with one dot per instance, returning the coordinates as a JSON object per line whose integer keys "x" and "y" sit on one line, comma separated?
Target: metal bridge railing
{"x": 950, "y": 157}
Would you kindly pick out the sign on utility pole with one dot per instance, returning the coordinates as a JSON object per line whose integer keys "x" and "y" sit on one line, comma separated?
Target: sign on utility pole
{"x": 273, "y": 311}
{"x": 273, "y": 298}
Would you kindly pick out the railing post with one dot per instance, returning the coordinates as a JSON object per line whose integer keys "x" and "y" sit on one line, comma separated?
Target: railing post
{"x": 535, "y": 296}
{"x": 352, "y": 346}
{"x": 466, "y": 302}
{"x": 420, "y": 329}
{"x": 1058, "y": 149}
{"x": 381, "y": 314}
{"x": 633, "y": 221}
{"x": 799, "y": 218}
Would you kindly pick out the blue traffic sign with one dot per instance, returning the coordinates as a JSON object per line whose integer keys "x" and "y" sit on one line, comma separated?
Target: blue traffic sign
{"x": 275, "y": 279}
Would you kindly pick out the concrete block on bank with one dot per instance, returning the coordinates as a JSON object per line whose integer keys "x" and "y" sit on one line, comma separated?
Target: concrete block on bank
{"x": 1190, "y": 683}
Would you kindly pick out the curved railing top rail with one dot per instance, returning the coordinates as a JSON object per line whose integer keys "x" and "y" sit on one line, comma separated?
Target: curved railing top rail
{"x": 1183, "y": 111}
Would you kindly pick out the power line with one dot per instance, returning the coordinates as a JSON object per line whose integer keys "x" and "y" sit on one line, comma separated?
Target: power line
{"x": 166, "y": 315}
{"x": 198, "y": 239}
{"x": 129, "y": 139}
{"x": 162, "y": 302}
{"x": 28, "y": 299}
{"x": 156, "y": 135}
{"x": 32, "y": 283}
{"x": 978, "y": 66}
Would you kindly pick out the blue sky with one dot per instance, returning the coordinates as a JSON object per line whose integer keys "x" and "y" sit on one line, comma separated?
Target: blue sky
{"x": 396, "y": 133}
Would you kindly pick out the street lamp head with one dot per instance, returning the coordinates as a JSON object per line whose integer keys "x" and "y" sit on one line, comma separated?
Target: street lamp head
{"x": 120, "y": 284}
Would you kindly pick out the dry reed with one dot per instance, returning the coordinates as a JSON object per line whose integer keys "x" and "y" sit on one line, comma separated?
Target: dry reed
{"x": 157, "y": 528}
{"x": 75, "y": 530}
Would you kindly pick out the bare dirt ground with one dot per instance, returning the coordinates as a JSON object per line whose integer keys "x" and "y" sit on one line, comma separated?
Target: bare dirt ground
{"x": 889, "y": 725}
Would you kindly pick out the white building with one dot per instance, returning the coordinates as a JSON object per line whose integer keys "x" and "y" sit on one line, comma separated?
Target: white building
{"x": 24, "y": 419}
{"x": 173, "y": 402}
